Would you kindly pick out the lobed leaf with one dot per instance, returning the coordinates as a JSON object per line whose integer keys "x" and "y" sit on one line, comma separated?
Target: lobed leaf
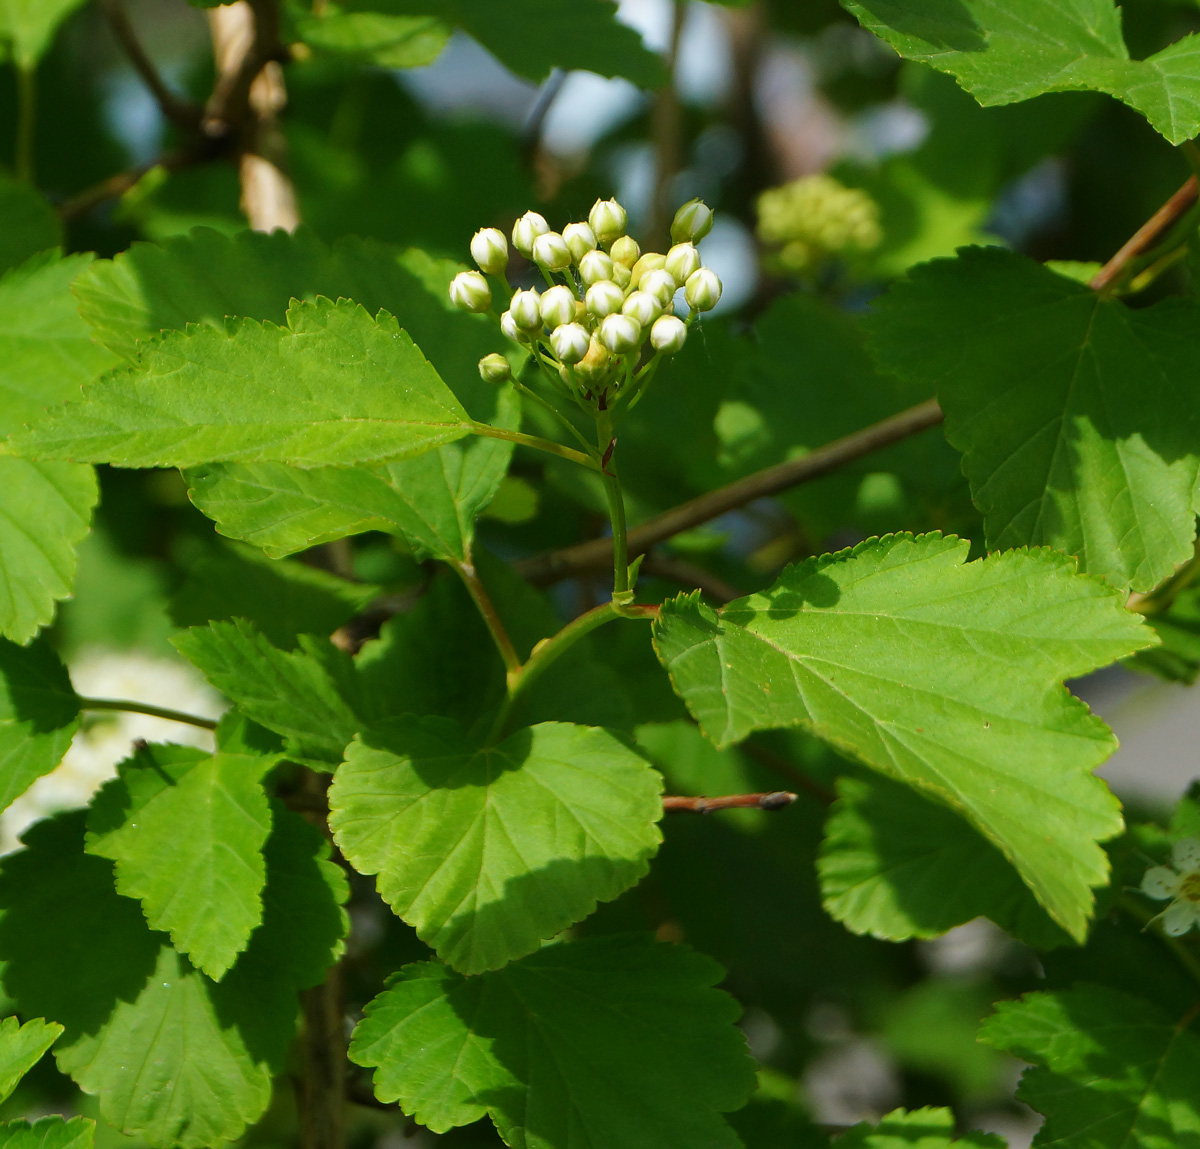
{"x": 489, "y": 851}
{"x": 48, "y": 1133}
{"x": 21, "y": 1048}
{"x": 661, "y": 1062}
{"x": 942, "y": 674}
{"x": 927, "y": 1128}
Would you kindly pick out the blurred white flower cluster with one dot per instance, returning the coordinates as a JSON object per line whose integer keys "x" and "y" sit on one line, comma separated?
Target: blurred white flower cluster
{"x": 107, "y": 737}
{"x": 813, "y": 218}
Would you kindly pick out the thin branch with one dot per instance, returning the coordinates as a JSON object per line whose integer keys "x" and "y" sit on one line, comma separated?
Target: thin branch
{"x": 130, "y": 707}
{"x": 776, "y": 800}
{"x": 691, "y": 575}
{"x": 597, "y": 554}
{"x": 479, "y": 595}
{"x": 1148, "y": 234}
{"x": 531, "y": 131}
{"x": 182, "y": 113}
{"x": 785, "y": 769}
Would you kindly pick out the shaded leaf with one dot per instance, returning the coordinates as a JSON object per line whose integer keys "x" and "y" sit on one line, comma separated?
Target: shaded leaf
{"x": 21, "y": 1048}
{"x": 30, "y": 223}
{"x": 48, "y": 1133}
{"x": 28, "y": 26}
{"x": 450, "y": 1049}
{"x": 374, "y": 37}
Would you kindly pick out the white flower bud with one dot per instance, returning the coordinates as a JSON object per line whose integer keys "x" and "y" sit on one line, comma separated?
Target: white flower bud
{"x": 551, "y": 252}
{"x": 595, "y": 266}
{"x": 570, "y": 342}
{"x": 651, "y": 261}
{"x": 643, "y": 307}
{"x": 489, "y": 249}
{"x": 660, "y": 284}
{"x": 508, "y": 325}
{"x": 692, "y": 222}
{"x": 607, "y": 219}
{"x": 625, "y": 250}
{"x": 683, "y": 260}
{"x": 621, "y": 275}
{"x": 558, "y": 306}
{"x": 470, "y": 292}
{"x": 604, "y": 298}
{"x": 526, "y": 230}
{"x": 668, "y": 334}
{"x": 526, "y": 308}
{"x": 703, "y": 289}
{"x": 580, "y": 240}
{"x": 494, "y": 368}
{"x": 620, "y": 333}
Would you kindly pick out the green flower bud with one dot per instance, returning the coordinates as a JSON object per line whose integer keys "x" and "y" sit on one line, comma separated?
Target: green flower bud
{"x": 550, "y": 251}
{"x": 595, "y": 363}
{"x": 621, "y": 275}
{"x": 580, "y": 240}
{"x": 643, "y": 307}
{"x": 620, "y": 333}
{"x": 703, "y": 290}
{"x": 469, "y": 291}
{"x": 692, "y": 222}
{"x": 604, "y": 298}
{"x": 570, "y": 342}
{"x": 489, "y": 249}
{"x": 494, "y": 368}
{"x": 660, "y": 284}
{"x": 508, "y": 324}
{"x": 625, "y": 250}
{"x": 595, "y": 266}
{"x": 558, "y": 306}
{"x": 682, "y": 261}
{"x": 526, "y": 308}
{"x": 668, "y": 334}
{"x": 607, "y": 219}
{"x": 651, "y": 261}
{"x": 526, "y": 230}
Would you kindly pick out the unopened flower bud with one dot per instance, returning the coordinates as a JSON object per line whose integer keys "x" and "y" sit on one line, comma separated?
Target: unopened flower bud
{"x": 668, "y": 334}
{"x": 595, "y": 362}
{"x": 620, "y": 333}
{"x": 607, "y": 219}
{"x": 570, "y": 342}
{"x": 470, "y": 292}
{"x": 580, "y": 240}
{"x": 683, "y": 260}
{"x": 489, "y": 249}
{"x": 651, "y": 261}
{"x": 625, "y": 250}
{"x": 703, "y": 290}
{"x": 494, "y": 368}
{"x": 526, "y": 230}
{"x": 621, "y": 275}
{"x": 692, "y": 222}
{"x": 558, "y": 306}
{"x": 551, "y": 252}
{"x": 643, "y": 307}
{"x": 595, "y": 266}
{"x": 508, "y": 325}
{"x": 660, "y": 284}
{"x": 604, "y": 298}
{"x": 526, "y": 308}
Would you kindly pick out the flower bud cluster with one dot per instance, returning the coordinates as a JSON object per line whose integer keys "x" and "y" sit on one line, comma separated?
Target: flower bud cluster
{"x": 607, "y": 302}
{"x": 813, "y": 218}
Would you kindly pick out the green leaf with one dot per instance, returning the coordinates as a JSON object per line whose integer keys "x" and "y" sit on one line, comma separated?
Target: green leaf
{"x": 489, "y": 851}
{"x": 309, "y": 696}
{"x": 923, "y": 1128}
{"x": 1002, "y": 52}
{"x": 48, "y": 1133}
{"x": 942, "y": 674}
{"x": 39, "y": 714}
{"x": 21, "y": 1048}
{"x": 186, "y": 831}
{"x": 431, "y": 501}
{"x": 28, "y": 26}
{"x": 661, "y": 1062}
{"x": 45, "y": 511}
{"x": 176, "y": 1058}
{"x": 1074, "y": 414}
{"x": 532, "y": 37}
{"x": 284, "y": 600}
{"x": 896, "y": 865}
{"x": 373, "y": 37}
{"x": 1109, "y": 1069}
{"x": 335, "y": 386}
{"x": 30, "y": 224}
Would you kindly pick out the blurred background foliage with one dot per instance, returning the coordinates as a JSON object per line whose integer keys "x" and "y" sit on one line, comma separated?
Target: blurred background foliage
{"x": 416, "y": 132}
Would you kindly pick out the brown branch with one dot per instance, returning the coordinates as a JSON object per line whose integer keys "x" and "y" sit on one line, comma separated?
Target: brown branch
{"x": 1148, "y": 234}
{"x": 597, "y": 554}
{"x": 785, "y": 769}
{"x": 114, "y": 186}
{"x": 690, "y": 575}
{"x": 773, "y": 801}
{"x": 182, "y": 113}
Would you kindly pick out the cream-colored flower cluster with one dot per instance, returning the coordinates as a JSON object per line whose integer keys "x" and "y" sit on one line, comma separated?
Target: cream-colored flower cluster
{"x": 605, "y": 303}
{"x": 1179, "y": 882}
{"x": 813, "y": 218}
